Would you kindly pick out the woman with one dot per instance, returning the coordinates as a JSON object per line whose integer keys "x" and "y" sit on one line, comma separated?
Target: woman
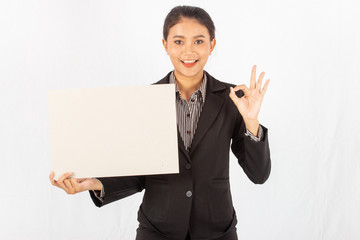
{"x": 211, "y": 117}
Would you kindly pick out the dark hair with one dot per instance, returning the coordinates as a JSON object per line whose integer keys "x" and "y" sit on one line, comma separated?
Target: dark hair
{"x": 175, "y": 15}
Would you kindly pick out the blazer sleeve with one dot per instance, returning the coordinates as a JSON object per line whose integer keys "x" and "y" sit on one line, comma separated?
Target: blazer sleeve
{"x": 116, "y": 188}
{"x": 253, "y": 157}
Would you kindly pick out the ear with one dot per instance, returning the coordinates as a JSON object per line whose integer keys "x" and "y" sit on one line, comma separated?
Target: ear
{"x": 164, "y": 44}
{"x": 212, "y": 45}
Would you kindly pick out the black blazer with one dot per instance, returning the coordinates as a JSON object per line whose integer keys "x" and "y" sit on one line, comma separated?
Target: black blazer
{"x": 198, "y": 199}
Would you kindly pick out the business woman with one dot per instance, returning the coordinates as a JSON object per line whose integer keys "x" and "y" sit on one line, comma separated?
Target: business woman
{"x": 212, "y": 117}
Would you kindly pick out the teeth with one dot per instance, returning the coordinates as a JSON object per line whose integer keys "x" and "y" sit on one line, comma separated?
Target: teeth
{"x": 189, "y": 61}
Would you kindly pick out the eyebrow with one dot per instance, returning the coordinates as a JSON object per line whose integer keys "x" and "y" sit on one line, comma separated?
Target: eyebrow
{"x": 181, "y": 36}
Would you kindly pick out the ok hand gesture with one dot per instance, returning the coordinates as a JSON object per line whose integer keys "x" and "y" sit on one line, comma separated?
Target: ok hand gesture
{"x": 249, "y": 104}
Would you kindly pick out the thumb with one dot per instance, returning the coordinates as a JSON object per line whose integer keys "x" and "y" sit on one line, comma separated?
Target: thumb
{"x": 232, "y": 95}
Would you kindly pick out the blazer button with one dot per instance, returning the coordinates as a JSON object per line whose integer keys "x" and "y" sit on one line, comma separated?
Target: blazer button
{"x": 188, "y": 194}
{"x": 188, "y": 166}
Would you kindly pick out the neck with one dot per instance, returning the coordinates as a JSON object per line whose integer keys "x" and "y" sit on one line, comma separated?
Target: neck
{"x": 188, "y": 85}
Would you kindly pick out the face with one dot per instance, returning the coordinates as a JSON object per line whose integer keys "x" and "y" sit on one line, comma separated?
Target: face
{"x": 188, "y": 45}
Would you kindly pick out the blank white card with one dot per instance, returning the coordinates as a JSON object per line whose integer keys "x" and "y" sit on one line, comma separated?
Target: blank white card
{"x": 114, "y": 131}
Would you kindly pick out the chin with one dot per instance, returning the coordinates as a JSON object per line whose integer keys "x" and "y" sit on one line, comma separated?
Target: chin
{"x": 189, "y": 72}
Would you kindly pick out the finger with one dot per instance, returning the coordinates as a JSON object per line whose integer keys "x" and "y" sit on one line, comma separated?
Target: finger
{"x": 253, "y": 77}
{"x": 61, "y": 181}
{"x": 51, "y": 177}
{"x": 233, "y": 96}
{"x": 54, "y": 182}
{"x": 69, "y": 188}
{"x": 263, "y": 91}
{"x": 259, "y": 82}
{"x": 75, "y": 185}
{"x": 59, "y": 184}
{"x": 240, "y": 87}
{"x": 64, "y": 176}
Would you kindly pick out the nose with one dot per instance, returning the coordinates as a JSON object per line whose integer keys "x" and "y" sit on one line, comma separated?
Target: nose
{"x": 188, "y": 48}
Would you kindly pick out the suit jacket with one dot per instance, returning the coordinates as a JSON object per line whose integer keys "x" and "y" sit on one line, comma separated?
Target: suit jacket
{"x": 198, "y": 199}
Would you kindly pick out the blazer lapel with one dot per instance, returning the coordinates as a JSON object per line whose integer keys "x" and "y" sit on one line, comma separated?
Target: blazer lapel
{"x": 212, "y": 107}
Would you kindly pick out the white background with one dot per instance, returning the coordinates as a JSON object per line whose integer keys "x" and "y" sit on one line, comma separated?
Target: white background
{"x": 310, "y": 49}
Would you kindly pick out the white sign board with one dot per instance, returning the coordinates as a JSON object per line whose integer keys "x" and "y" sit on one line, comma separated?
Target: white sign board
{"x": 114, "y": 131}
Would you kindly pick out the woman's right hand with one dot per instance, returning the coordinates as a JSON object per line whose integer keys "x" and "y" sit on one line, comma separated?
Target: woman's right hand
{"x": 75, "y": 185}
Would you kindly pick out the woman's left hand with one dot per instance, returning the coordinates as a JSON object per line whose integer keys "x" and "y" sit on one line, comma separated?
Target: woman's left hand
{"x": 249, "y": 105}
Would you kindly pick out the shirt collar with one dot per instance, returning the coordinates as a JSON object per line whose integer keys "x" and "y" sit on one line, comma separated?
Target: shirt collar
{"x": 201, "y": 90}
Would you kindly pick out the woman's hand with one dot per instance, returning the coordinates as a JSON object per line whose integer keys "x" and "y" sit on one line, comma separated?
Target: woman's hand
{"x": 75, "y": 185}
{"x": 249, "y": 104}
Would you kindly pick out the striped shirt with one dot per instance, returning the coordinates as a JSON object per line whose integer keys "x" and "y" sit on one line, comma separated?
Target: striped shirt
{"x": 188, "y": 113}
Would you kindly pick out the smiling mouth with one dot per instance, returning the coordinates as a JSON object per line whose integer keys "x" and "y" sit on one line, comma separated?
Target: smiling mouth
{"x": 189, "y": 61}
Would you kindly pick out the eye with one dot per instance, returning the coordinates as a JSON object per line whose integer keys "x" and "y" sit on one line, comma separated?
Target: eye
{"x": 199, "y": 41}
{"x": 178, "y": 42}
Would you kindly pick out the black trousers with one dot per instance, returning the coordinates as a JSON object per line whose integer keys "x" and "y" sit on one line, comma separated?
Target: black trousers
{"x": 148, "y": 234}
